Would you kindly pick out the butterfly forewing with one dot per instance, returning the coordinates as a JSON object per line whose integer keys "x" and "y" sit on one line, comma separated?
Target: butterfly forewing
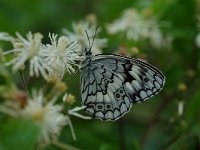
{"x": 111, "y": 83}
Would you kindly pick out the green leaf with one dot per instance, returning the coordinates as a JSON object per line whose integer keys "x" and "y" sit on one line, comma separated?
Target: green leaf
{"x": 18, "y": 134}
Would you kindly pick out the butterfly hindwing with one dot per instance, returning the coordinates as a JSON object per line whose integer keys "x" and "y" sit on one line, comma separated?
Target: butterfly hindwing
{"x": 103, "y": 94}
{"x": 112, "y": 83}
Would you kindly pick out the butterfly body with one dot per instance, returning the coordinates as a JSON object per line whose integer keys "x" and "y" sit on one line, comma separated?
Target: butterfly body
{"x": 110, "y": 84}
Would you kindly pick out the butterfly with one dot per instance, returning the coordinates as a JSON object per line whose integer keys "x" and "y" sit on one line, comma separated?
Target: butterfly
{"x": 111, "y": 84}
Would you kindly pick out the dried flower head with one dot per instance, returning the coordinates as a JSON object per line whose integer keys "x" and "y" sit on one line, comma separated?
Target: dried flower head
{"x": 182, "y": 87}
{"x": 69, "y": 99}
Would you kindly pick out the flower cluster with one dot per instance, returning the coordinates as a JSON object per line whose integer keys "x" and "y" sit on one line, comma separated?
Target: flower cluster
{"x": 136, "y": 26}
{"x": 44, "y": 112}
{"x": 52, "y": 59}
{"x": 61, "y": 55}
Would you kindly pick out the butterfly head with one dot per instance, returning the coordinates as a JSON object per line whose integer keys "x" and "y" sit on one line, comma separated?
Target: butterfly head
{"x": 88, "y": 52}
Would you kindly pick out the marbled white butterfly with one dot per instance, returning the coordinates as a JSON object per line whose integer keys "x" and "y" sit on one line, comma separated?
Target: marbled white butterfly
{"x": 110, "y": 84}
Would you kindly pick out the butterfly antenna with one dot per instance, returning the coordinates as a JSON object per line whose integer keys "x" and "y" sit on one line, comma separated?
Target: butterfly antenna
{"x": 94, "y": 35}
{"x": 87, "y": 37}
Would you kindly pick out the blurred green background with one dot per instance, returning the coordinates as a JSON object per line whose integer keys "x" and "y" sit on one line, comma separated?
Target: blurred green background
{"x": 154, "y": 124}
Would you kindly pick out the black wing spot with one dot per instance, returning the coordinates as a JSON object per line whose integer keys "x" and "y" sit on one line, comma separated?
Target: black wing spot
{"x": 121, "y": 91}
{"x": 117, "y": 95}
{"x": 146, "y": 80}
{"x": 128, "y": 67}
{"x": 91, "y": 106}
{"x": 140, "y": 76}
{"x": 99, "y": 106}
{"x": 108, "y": 106}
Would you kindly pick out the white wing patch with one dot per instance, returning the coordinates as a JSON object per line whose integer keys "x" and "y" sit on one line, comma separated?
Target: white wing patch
{"x": 111, "y": 84}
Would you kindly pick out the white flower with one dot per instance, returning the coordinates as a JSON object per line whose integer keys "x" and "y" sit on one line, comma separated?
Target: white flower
{"x": 60, "y": 56}
{"x": 158, "y": 40}
{"x": 74, "y": 112}
{"x": 136, "y": 26}
{"x": 50, "y": 60}
{"x": 79, "y": 35}
{"x": 5, "y": 37}
{"x": 28, "y": 50}
{"x": 133, "y": 24}
{"x": 45, "y": 114}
